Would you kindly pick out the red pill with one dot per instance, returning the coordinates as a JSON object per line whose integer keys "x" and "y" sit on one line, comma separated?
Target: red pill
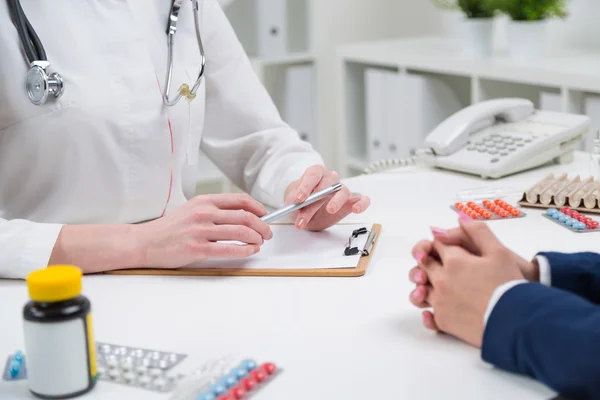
{"x": 487, "y": 215}
{"x": 269, "y": 368}
{"x": 564, "y": 210}
{"x": 585, "y": 220}
{"x": 581, "y": 218}
{"x": 458, "y": 205}
{"x": 237, "y": 392}
{"x": 593, "y": 224}
{"x": 503, "y": 214}
{"x": 515, "y": 212}
{"x": 248, "y": 383}
{"x": 486, "y": 202}
{"x": 498, "y": 201}
{"x": 225, "y": 397}
{"x": 471, "y": 204}
{"x": 259, "y": 375}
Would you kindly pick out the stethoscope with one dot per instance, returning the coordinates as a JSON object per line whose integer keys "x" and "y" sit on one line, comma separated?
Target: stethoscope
{"x": 40, "y": 85}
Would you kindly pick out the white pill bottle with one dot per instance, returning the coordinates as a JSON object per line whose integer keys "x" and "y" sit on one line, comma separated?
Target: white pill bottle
{"x": 57, "y": 327}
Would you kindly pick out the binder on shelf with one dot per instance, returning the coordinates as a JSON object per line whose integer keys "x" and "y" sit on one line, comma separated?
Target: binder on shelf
{"x": 272, "y": 27}
{"x": 550, "y": 101}
{"x": 415, "y": 105}
{"x": 397, "y": 121}
{"x": 299, "y": 101}
{"x": 344, "y": 250}
{"x": 592, "y": 110}
{"x": 375, "y": 113}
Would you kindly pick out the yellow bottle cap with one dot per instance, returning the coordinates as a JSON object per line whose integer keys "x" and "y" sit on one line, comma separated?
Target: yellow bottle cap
{"x": 55, "y": 283}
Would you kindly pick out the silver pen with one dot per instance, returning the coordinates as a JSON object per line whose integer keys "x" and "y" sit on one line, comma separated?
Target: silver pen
{"x": 297, "y": 206}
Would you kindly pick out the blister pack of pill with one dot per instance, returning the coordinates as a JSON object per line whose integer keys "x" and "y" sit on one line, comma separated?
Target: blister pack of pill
{"x": 226, "y": 379}
{"x": 139, "y": 367}
{"x": 15, "y": 368}
{"x": 488, "y": 210}
{"x": 572, "y": 220}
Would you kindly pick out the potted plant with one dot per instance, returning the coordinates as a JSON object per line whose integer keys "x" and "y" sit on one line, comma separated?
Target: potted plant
{"x": 477, "y": 25}
{"x": 527, "y": 28}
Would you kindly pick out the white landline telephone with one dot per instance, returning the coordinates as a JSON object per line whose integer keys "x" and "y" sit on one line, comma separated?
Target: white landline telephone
{"x": 500, "y": 137}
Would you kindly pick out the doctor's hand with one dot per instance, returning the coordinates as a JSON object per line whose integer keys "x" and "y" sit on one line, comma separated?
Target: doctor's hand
{"x": 196, "y": 230}
{"x": 460, "y": 283}
{"x": 325, "y": 213}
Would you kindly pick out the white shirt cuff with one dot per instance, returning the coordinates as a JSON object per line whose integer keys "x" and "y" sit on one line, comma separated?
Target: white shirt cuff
{"x": 545, "y": 275}
{"x": 498, "y": 293}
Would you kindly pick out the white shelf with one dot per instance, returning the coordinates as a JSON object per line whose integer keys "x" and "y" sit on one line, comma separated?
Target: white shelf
{"x": 283, "y": 60}
{"x": 578, "y": 70}
{"x": 572, "y": 75}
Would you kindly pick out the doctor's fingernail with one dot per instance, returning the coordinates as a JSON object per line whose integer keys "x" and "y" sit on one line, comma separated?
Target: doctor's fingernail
{"x": 300, "y": 197}
{"x": 438, "y": 231}
{"x": 300, "y": 223}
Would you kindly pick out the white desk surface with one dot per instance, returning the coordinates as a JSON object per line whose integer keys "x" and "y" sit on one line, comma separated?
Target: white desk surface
{"x": 336, "y": 338}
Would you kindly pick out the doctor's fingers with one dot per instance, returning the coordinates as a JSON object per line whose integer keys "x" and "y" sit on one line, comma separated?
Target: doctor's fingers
{"x": 229, "y": 250}
{"x": 361, "y": 205}
{"x": 309, "y": 181}
{"x": 237, "y": 201}
{"x": 242, "y": 218}
{"x": 239, "y": 233}
{"x": 306, "y": 214}
{"x": 338, "y": 200}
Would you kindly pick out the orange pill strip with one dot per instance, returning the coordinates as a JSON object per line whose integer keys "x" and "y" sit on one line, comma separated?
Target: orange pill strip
{"x": 488, "y": 210}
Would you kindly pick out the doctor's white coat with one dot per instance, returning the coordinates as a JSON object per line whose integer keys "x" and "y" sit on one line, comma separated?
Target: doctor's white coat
{"x": 108, "y": 151}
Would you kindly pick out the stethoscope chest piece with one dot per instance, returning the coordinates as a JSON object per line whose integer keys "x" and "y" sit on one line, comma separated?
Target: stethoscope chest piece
{"x": 40, "y": 85}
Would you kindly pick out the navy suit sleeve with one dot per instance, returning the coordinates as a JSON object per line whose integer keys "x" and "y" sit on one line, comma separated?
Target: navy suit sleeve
{"x": 577, "y": 273}
{"x": 548, "y": 334}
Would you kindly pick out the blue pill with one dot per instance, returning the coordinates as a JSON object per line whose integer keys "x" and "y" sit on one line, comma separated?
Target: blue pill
{"x": 228, "y": 381}
{"x": 18, "y": 355}
{"x": 248, "y": 365}
{"x": 206, "y": 396}
{"x": 551, "y": 211}
{"x": 571, "y": 222}
{"x": 218, "y": 389}
{"x": 239, "y": 373}
{"x": 15, "y": 368}
{"x": 563, "y": 218}
{"x": 580, "y": 226}
{"x": 556, "y": 216}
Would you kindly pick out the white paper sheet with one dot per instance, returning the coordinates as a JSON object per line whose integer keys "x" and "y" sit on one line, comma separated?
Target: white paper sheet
{"x": 294, "y": 249}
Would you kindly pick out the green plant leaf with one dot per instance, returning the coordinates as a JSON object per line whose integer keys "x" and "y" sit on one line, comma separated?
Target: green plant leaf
{"x": 530, "y": 10}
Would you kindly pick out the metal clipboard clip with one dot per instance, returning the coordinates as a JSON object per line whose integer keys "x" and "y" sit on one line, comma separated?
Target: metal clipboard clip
{"x": 352, "y": 251}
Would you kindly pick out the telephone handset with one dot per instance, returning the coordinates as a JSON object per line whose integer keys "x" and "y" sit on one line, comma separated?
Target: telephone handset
{"x": 498, "y": 137}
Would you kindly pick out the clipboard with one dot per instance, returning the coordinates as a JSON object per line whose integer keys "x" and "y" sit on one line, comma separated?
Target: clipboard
{"x": 359, "y": 270}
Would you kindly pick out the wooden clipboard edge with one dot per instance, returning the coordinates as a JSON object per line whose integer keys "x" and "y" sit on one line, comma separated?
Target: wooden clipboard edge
{"x": 359, "y": 270}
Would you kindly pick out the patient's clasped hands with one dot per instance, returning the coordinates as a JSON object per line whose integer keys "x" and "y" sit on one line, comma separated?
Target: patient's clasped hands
{"x": 457, "y": 275}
